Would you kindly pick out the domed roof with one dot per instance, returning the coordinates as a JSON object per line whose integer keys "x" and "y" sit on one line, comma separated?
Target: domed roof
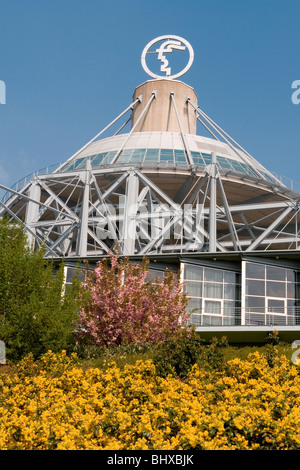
{"x": 166, "y": 149}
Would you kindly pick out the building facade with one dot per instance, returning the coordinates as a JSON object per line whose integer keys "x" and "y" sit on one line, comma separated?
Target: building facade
{"x": 193, "y": 201}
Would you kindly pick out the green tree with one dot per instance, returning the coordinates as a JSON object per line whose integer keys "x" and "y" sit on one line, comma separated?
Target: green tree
{"x": 35, "y": 313}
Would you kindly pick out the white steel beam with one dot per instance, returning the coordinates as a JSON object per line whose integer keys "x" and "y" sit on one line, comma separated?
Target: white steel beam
{"x": 32, "y": 209}
{"x": 271, "y": 227}
{"x": 129, "y": 223}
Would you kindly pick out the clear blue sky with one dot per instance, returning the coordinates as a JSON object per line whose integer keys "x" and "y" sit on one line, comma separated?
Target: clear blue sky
{"x": 71, "y": 66}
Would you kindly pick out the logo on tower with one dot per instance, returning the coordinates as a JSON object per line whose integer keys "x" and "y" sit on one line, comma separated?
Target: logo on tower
{"x": 165, "y": 45}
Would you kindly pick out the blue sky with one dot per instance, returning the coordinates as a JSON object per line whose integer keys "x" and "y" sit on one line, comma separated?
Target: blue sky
{"x": 71, "y": 66}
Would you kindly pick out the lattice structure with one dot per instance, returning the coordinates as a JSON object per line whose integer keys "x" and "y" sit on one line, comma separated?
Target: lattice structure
{"x": 153, "y": 190}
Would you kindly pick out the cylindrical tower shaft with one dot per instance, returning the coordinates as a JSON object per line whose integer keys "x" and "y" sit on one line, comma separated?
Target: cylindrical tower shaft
{"x": 161, "y": 115}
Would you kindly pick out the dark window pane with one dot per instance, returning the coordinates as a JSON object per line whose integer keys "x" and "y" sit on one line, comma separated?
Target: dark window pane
{"x": 275, "y": 274}
{"x": 255, "y": 287}
{"x": 194, "y": 304}
{"x": 212, "y": 306}
{"x": 275, "y": 289}
{"x": 256, "y": 319}
{"x": 211, "y": 320}
{"x": 276, "y": 306}
{"x": 230, "y": 308}
{"x": 290, "y": 275}
{"x": 213, "y": 291}
{"x": 213, "y": 275}
{"x": 291, "y": 290}
{"x": 255, "y": 303}
{"x": 229, "y": 291}
{"x": 153, "y": 274}
{"x": 229, "y": 277}
{"x": 255, "y": 270}
{"x": 194, "y": 289}
{"x": 193, "y": 272}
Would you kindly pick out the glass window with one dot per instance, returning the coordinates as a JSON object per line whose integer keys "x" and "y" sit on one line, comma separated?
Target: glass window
{"x": 212, "y": 320}
{"x": 137, "y": 155}
{"x": 275, "y": 274}
{"x": 79, "y": 162}
{"x": 206, "y": 158}
{"x": 276, "y": 306}
{"x": 194, "y": 304}
{"x": 195, "y": 319}
{"x": 275, "y": 289}
{"x": 109, "y": 157}
{"x": 213, "y": 291}
{"x": 256, "y": 303}
{"x": 236, "y": 166}
{"x": 256, "y": 319}
{"x": 199, "y": 163}
{"x": 291, "y": 290}
{"x": 152, "y": 154}
{"x": 153, "y": 274}
{"x": 98, "y": 158}
{"x": 229, "y": 291}
{"x": 255, "y": 287}
{"x": 197, "y": 158}
{"x": 180, "y": 156}
{"x": 229, "y": 277}
{"x": 124, "y": 158}
{"x": 214, "y": 275}
{"x": 193, "y": 272}
{"x": 166, "y": 155}
{"x": 223, "y": 162}
{"x": 194, "y": 288}
{"x": 290, "y": 275}
{"x": 229, "y": 308}
{"x": 255, "y": 271}
{"x": 211, "y": 306}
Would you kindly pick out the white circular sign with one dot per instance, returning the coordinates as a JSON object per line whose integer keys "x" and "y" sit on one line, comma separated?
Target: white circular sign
{"x": 167, "y": 46}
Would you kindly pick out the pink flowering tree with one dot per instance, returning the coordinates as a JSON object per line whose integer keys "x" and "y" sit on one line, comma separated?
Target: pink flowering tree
{"x": 121, "y": 307}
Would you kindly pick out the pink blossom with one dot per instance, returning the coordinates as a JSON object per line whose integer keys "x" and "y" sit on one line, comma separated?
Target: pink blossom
{"x": 122, "y": 308}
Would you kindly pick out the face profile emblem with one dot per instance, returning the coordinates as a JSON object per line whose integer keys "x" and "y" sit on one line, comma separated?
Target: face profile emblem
{"x": 167, "y": 45}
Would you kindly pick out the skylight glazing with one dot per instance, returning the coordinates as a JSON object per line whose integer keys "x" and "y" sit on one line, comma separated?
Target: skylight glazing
{"x": 168, "y": 157}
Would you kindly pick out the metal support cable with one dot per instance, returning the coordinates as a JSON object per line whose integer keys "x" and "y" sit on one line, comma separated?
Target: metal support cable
{"x": 98, "y": 135}
{"x": 208, "y": 129}
{"x": 188, "y": 153}
{"x": 224, "y": 136}
{"x": 133, "y": 128}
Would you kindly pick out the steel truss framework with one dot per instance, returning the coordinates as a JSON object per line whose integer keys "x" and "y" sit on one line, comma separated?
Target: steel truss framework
{"x": 91, "y": 211}
{"x": 76, "y": 214}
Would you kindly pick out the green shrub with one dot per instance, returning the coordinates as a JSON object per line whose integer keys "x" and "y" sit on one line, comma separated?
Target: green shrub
{"x": 35, "y": 314}
{"x": 177, "y": 355}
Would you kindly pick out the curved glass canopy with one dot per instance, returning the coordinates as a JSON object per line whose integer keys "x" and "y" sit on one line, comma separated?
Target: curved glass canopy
{"x": 164, "y": 157}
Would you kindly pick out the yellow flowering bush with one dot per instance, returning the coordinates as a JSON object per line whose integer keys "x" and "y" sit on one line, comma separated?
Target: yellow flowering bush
{"x": 56, "y": 404}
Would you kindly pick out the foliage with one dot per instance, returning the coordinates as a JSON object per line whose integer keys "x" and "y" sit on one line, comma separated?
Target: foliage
{"x": 54, "y": 404}
{"x": 34, "y": 315}
{"x": 178, "y": 354}
{"x": 120, "y": 307}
